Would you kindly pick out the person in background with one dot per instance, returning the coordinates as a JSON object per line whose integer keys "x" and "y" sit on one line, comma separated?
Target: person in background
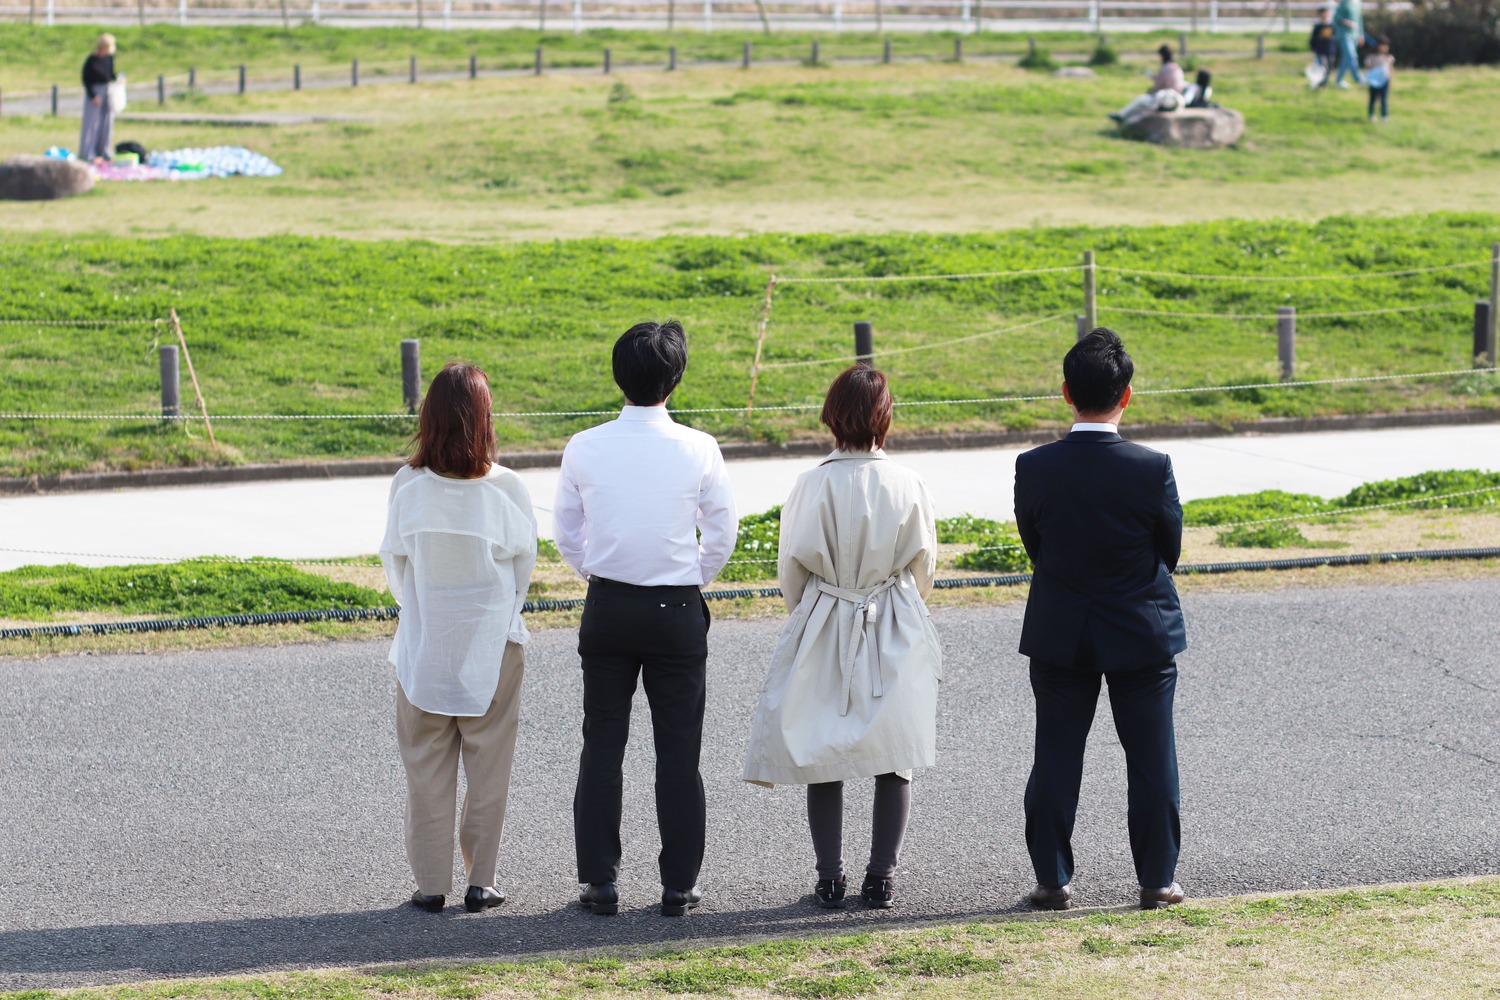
{"x": 98, "y": 118}
{"x": 1169, "y": 76}
{"x": 1164, "y": 94}
{"x": 1323, "y": 49}
{"x": 459, "y": 548}
{"x": 1348, "y": 32}
{"x": 645, "y": 514}
{"x": 1101, "y": 521}
{"x": 1380, "y": 69}
{"x": 852, "y": 686}
{"x": 1200, "y": 92}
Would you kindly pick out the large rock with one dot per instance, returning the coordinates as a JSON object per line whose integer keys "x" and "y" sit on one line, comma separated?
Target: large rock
{"x": 41, "y": 178}
{"x": 1193, "y": 128}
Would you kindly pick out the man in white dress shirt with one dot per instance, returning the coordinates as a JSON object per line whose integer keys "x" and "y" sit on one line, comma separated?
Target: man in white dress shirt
{"x": 645, "y": 514}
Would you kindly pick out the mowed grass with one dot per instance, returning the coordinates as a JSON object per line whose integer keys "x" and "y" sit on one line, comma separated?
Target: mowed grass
{"x": 936, "y": 146}
{"x": 1435, "y": 940}
{"x": 299, "y": 327}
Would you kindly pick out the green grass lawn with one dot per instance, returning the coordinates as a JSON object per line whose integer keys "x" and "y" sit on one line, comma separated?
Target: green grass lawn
{"x": 933, "y": 146}
{"x": 1436, "y": 940}
{"x": 297, "y": 326}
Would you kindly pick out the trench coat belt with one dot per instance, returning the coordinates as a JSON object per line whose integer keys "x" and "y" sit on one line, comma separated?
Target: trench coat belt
{"x": 866, "y": 614}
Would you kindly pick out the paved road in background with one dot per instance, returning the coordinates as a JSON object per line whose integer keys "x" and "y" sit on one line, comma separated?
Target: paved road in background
{"x": 310, "y": 519}
{"x": 217, "y": 812}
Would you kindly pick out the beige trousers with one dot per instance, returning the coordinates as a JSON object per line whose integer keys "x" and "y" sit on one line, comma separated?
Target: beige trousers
{"x": 431, "y": 746}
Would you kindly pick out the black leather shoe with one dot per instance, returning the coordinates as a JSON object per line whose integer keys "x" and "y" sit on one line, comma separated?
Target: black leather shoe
{"x": 602, "y": 899}
{"x": 830, "y": 892}
{"x": 481, "y": 897}
{"x": 878, "y": 893}
{"x": 676, "y": 902}
{"x": 1157, "y": 899}
{"x": 432, "y": 904}
{"x": 1050, "y": 897}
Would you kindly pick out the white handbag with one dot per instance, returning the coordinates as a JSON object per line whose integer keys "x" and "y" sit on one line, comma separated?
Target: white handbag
{"x": 116, "y": 96}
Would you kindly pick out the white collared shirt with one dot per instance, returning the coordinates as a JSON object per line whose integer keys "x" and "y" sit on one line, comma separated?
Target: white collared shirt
{"x": 458, "y": 556}
{"x": 1084, "y": 425}
{"x": 631, "y": 494}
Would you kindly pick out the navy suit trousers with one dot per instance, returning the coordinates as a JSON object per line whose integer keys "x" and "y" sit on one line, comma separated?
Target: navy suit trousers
{"x": 1141, "y": 701}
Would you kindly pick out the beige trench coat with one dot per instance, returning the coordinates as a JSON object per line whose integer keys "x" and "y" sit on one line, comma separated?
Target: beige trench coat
{"x": 852, "y": 687}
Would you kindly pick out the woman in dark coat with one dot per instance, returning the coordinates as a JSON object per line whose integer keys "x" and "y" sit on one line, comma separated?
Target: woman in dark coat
{"x": 98, "y": 118}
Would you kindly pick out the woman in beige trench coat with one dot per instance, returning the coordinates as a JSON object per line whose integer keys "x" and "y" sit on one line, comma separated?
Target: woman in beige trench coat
{"x": 852, "y": 687}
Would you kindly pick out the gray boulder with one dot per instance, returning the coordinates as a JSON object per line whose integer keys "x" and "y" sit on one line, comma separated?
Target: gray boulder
{"x": 1074, "y": 73}
{"x": 40, "y": 178}
{"x": 1191, "y": 128}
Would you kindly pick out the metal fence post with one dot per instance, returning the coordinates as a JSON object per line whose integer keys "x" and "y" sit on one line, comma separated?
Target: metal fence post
{"x": 1481, "y": 331}
{"x": 745, "y": 57}
{"x": 171, "y": 397}
{"x": 354, "y": 72}
{"x": 1090, "y": 292}
{"x": 1286, "y": 341}
{"x": 864, "y": 344}
{"x": 242, "y": 78}
{"x": 411, "y": 374}
{"x": 1082, "y": 323}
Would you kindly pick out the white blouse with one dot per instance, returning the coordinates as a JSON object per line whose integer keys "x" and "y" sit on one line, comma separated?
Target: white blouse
{"x": 458, "y": 556}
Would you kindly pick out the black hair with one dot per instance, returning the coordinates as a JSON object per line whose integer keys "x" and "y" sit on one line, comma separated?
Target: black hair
{"x": 1165, "y": 52}
{"x": 649, "y": 360}
{"x": 1205, "y": 78}
{"x": 1098, "y": 370}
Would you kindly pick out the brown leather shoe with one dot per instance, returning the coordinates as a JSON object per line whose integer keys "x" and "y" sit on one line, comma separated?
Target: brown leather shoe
{"x": 1156, "y": 899}
{"x": 1049, "y": 897}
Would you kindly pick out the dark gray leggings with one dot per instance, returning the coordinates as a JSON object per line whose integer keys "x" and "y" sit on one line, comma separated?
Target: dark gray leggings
{"x": 825, "y": 816}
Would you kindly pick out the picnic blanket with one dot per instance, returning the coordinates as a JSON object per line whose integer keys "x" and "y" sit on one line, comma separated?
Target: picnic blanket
{"x": 216, "y": 161}
{"x": 141, "y": 172}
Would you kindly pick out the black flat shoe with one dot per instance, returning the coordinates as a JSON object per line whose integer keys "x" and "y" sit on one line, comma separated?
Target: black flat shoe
{"x": 878, "y": 893}
{"x": 1050, "y": 897}
{"x": 830, "y": 892}
{"x": 602, "y": 899}
{"x": 481, "y": 897}
{"x": 432, "y": 904}
{"x": 676, "y": 902}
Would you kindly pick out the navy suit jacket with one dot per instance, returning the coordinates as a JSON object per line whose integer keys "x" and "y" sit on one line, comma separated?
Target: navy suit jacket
{"x": 1100, "y": 518}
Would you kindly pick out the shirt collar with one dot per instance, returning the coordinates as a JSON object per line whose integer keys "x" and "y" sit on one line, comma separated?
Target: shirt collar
{"x": 645, "y": 413}
{"x": 1084, "y": 425}
{"x": 843, "y": 456}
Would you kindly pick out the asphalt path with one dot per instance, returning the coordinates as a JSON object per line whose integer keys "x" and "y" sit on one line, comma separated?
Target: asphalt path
{"x": 218, "y": 812}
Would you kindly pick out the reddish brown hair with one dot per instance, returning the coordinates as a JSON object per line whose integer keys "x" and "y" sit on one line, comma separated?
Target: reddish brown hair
{"x": 858, "y": 409}
{"x": 455, "y": 433}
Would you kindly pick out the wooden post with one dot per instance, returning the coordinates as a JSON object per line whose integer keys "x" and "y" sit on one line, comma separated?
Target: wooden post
{"x": 1082, "y": 324}
{"x": 192, "y": 78}
{"x": 411, "y": 374}
{"x": 161, "y": 89}
{"x": 608, "y": 59}
{"x": 474, "y": 66}
{"x": 193, "y": 374}
{"x": 1182, "y": 48}
{"x": 1286, "y": 341}
{"x": 760, "y": 341}
{"x": 54, "y": 100}
{"x": 354, "y": 73}
{"x": 538, "y": 60}
{"x": 815, "y": 51}
{"x": 1494, "y": 334}
{"x": 1260, "y": 45}
{"x": 864, "y": 344}
{"x": 1481, "y": 331}
{"x": 672, "y": 59}
{"x": 297, "y": 76}
{"x": 171, "y": 398}
{"x": 886, "y": 55}
{"x": 242, "y": 78}
{"x": 1090, "y": 293}
{"x": 958, "y": 48}
{"x": 745, "y": 57}
{"x": 412, "y": 73}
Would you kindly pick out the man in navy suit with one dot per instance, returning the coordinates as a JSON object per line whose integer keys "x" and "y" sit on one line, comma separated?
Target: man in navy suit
{"x": 1100, "y": 518}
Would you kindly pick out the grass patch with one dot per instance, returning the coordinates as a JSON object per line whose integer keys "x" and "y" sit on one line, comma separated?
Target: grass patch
{"x": 1439, "y": 939}
{"x": 298, "y": 326}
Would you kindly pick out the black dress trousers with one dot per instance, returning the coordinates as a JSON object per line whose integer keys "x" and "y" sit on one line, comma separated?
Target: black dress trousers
{"x": 659, "y": 634}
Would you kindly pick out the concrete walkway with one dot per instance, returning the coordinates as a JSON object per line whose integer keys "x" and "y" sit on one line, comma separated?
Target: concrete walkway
{"x": 322, "y": 518}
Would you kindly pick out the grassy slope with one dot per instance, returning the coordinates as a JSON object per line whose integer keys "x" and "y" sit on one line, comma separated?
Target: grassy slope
{"x": 837, "y": 149}
{"x": 1437, "y": 941}
{"x": 290, "y": 326}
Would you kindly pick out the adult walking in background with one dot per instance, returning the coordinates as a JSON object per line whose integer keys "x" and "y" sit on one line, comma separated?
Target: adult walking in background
{"x": 98, "y": 117}
{"x": 852, "y": 687}
{"x": 645, "y": 514}
{"x": 459, "y": 548}
{"x": 1100, "y": 518}
{"x": 1348, "y": 32}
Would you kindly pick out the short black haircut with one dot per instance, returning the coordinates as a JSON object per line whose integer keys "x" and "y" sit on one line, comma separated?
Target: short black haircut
{"x": 1165, "y": 52}
{"x": 649, "y": 360}
{"x": 1098, "y": 370}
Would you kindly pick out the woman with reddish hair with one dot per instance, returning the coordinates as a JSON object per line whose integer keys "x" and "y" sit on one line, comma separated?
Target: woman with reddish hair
{"x": 459, "y": 548}
{"x": 852, "y": 687}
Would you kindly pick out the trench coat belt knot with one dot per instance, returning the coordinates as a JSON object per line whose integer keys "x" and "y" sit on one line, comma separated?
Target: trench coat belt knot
{"x": 866, "y": 614}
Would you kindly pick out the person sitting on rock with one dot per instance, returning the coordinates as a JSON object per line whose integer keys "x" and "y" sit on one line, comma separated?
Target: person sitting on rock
{"x": 1165, "y": 93}
{"x": 1200, "y": 91}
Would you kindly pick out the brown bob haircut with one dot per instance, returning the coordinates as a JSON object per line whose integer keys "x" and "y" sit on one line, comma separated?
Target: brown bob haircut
{"x": 455, "y": 434}
{"x": 858, "y": 409}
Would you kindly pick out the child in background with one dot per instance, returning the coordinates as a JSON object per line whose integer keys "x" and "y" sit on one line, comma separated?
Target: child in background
{"x": 1322, "y": 45}
{"x": 1380, "y": 66}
